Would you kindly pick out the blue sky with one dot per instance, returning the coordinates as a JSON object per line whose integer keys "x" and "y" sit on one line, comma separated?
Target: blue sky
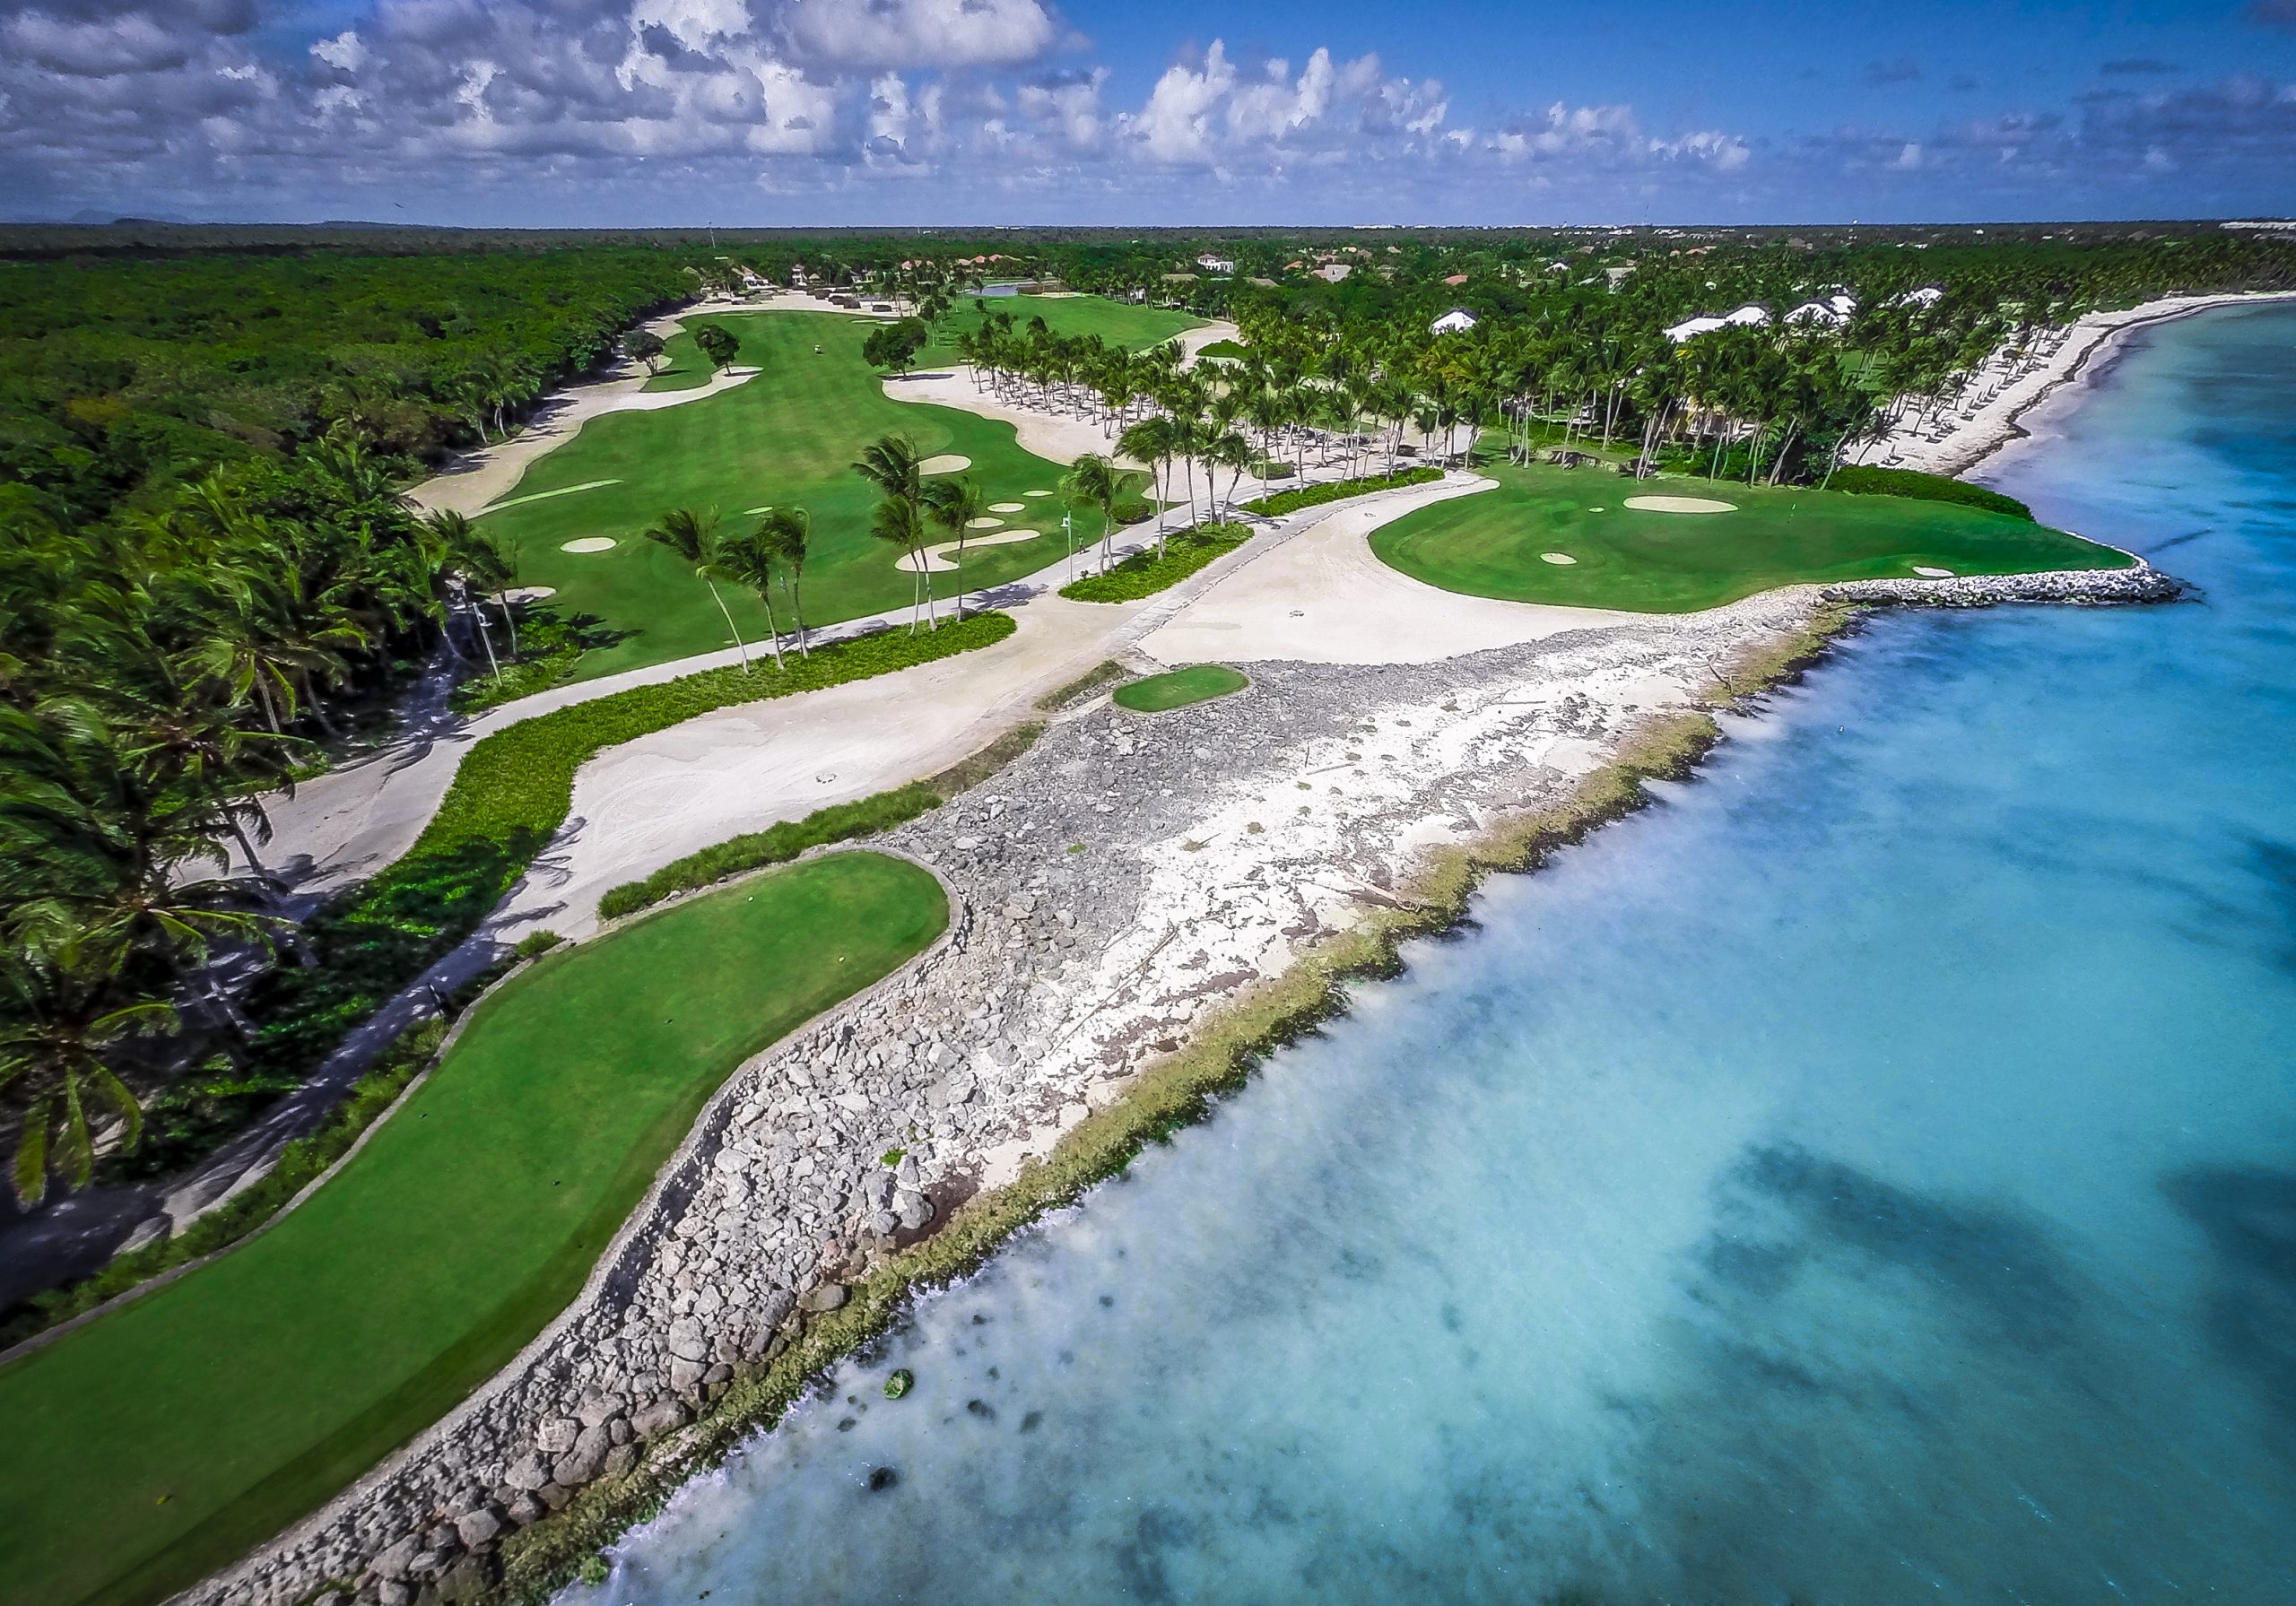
{"x": 603, "y": 112}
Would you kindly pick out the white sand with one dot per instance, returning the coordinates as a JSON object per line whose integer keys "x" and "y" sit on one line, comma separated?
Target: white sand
{"x": 524, "y": 594}
{"x": 1678, "y": 504}
{"x": 1323, "y": 597}
{"x": 1927, "y": 573}
{"x": 985, "y": 522}
{"x": 947, "y": 463}
{"x": 1010, "y": 506}
{"x": 1561, "y": 558}
{"x": 936, "y": 560}
{"x": 1992, "y": 424}
{"x": 589, "y": 543}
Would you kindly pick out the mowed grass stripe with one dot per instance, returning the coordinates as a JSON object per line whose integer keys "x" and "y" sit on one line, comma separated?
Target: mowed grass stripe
{"x": 163, "y": 1440}
{"x": 1491, "y": 543}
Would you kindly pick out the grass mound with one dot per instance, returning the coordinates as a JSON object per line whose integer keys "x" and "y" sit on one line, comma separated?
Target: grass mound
{"x": 1493, "y": 543}
{"x": 161, "y": 1440}
{"x": 1144, "y": 574}
{"x": 1198, "y": 683}
{"x": 1924, "y": 488}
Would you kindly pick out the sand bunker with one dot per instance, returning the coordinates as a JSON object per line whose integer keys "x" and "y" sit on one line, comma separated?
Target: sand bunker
{"x": 524, "y": 594}
{"x": 938, "y": 564}
{"x": 1035, "y": 493}
{"x": 1927, "y": 573}
{"x": 947, "y": 463}
{"x": 589, "y": 543}
{"x": 1679, "y": 504}
{"x": 983, "y": 523}
{"x": 1557, "y": 558}
{"x": 1008, "y": 507}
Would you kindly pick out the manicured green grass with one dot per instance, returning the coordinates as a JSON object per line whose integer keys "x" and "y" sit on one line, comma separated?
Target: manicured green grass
{"x": 1493, "y": 543}
{"x": 1147, "y": 572}
{"x": 1337, "y": 491}
{"x": 1119, "y": 323}
{"x": 789, "y": 436}
{"x": 1198, "y": 683}
{"x": 156, "y": 1443}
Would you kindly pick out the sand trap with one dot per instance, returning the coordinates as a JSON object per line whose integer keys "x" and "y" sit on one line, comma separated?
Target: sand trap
{"x": 936, "y": 564}
{"x": 524, "y": 594}
{"x": 947, "y": 463}
{"x": 1927, "y": 573}
{"x": 1035, "y": 493}
{"x": 1008, "y": 507}
{"x": 983, "y": 523}
{"x": 1557, "y": 558}
{"x": 589, "y": 543}
{"x": 1679, "y": 504}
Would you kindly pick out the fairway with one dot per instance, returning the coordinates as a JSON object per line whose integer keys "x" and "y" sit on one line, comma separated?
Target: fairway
{"x": 789, "y": 436}
{"x": 163, "y": 1439}
{"x": 1568, "y": 536}
{"x": 1178, "y": 687}
{"x": 1119, "y": 323}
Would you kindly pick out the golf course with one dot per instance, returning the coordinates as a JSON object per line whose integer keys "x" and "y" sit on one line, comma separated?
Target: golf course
{"x": 162, "y": 1440}
{"x": 1178, "y": 687}
{"x": 1574, "y": 538}
{"x": 787, "y": 436}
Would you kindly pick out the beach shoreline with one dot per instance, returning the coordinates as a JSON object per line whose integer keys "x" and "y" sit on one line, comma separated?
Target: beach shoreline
{"x": 2083, "y": 348}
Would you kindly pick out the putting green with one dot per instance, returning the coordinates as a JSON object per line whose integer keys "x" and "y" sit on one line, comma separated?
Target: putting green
{"x": 163, "y": 1439}
{"x": 1506, "y": 543}
{"x": 785, "y": 438}
{"x": 1178, "y": 687}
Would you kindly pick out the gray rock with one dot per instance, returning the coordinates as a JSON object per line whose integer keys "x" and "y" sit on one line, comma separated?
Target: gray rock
{"x": 466, "y": 1580}
{"x": 914, "y": 1209}
{"x": 556, "y": 1435}
{"x": 573, "y": 1471}
{"x": 524, "y": 1508}
{"x": 392, "y": 1592}
{"x": 528, "y": 1472}
{"x": 597, "y": 1410}
{"x": 662, "y": 1417}
{"x": 829, "y": 1296}
{"x": 687, "y": 1341}
{"x": 619, "y": 1461}
{"x": 395, "y": 1563}
{"x": 684, "y": 1374}
{"x": 554, "y": 1495}
{"x": 479, "y": 1529}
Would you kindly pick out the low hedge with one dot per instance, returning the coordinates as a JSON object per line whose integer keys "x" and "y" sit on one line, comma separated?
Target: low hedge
{"x": 775, "y": 845}
{"x": 1925, "y": 488}
{"x": 1333, "y": 490}
{"x": 509, "y": 798}
{"x": 1146, "y": 573}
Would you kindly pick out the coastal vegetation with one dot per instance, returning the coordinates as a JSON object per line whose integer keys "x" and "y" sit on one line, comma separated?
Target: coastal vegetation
{"x": 1558, "y": 535}
{"x": 155, "y": 1443}
{"x": 1863, "y": 481}
{"x": 1178, "y": 687}
{"x": 1333, "y": 490}
{"x": 1153, "y": 569}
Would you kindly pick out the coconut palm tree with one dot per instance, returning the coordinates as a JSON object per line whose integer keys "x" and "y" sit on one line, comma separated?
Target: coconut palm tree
{"x": 954, "y": 503}
{"x": 748, "y": 560}
{"x": 1151, "y": 441}
{"x": 788, "y": 533}
{"x": 892, "y": 464}
{"x": 693, "y": 536}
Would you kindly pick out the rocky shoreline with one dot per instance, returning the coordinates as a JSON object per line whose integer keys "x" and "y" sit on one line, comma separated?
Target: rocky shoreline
{"x": 1113, "y": 891}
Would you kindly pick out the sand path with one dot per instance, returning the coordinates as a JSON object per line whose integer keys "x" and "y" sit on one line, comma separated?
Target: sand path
{"x": 1324, "y": 597}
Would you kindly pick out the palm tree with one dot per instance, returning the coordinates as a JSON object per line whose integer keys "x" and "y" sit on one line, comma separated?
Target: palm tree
{"x": 66, "y": 1015}
{"x": 1095, "y": 481}
{"x": 892, "y": 464}
{"x": 693, "y": 537}
{"x": 788, "y": 532}
{"x": 953, "y": 504}
{"x": 1150, "y": 441}
{"x": 748, "y": 560}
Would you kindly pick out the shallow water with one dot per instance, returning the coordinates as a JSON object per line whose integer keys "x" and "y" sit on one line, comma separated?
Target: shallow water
{"x": 1869, "y": 1178}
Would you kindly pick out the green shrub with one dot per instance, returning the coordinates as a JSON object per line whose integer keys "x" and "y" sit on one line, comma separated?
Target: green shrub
{"x": 1132, "y": 509}
{"x": 1274, "y": 468}
{"x": 534, "y": 944}
{"x": 1311, "y": 496}
{"x": 549, "y": 647}
{"x": 1144, "y": 573}
{"x": 1925, "y": 488}
{"x": 775, "y": 845}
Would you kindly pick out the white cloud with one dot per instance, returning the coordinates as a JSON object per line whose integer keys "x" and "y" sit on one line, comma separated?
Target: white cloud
{"x": 903, "y": 33}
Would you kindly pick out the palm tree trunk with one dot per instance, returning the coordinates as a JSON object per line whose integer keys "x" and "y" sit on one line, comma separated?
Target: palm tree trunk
{"x": 740, "y": 645}
{"x": 765, "y": 595}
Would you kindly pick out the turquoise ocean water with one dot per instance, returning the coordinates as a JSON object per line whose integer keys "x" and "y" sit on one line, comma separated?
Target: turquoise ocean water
{"x": 1868, "y": 1177}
